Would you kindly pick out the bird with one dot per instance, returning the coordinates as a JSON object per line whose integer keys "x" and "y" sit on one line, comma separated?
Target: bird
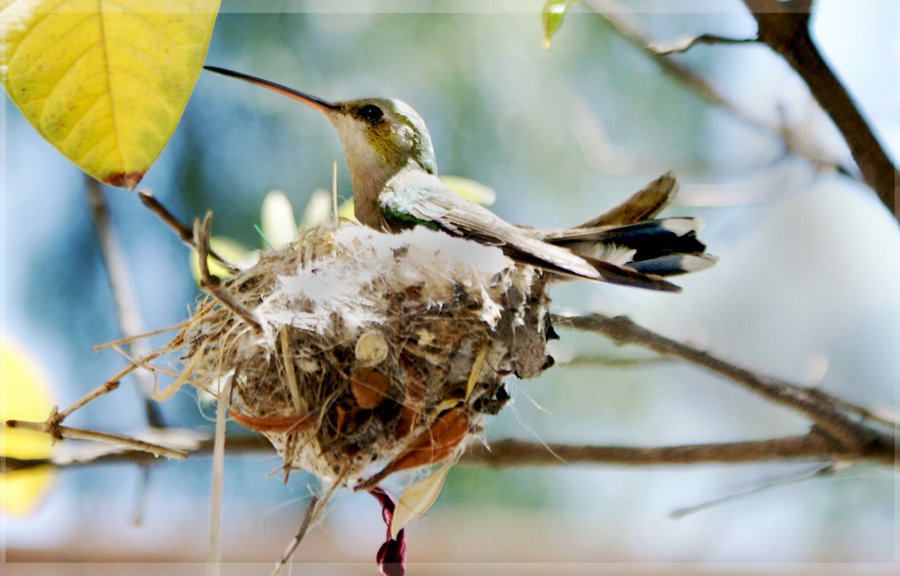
{"x": 393, "y": 173}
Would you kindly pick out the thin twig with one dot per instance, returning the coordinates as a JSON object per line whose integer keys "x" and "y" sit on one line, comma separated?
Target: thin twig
{"x": 223, "y": 403}
{"x": 107, "y": 386}
{"x": 686, "y": 44}
{"x": 610, "y": 362}
{"x": 60, "y": 432}
{"x": 212, "y": 284}
{"x": 316, "y": 505}
{"x": 104, "y": 388}
{"x": 822, "y": 470}
{"x": 235, "y": 445}
{"x": 311, "y": 511}
{"x": 185, "y": 233}
{"x": 123, "y": 294}
{"x": 617, "y": 17}
{"x": 120, "y": 341}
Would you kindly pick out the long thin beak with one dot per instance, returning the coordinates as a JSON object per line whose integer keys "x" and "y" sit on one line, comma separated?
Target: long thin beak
{"x": 311, "y": 101}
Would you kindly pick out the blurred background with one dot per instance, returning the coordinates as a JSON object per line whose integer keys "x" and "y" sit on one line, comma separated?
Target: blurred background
{"x": 806, "y": 288}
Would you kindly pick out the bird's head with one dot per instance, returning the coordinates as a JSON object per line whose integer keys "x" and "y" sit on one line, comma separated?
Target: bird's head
{"x": 379, "y": 136}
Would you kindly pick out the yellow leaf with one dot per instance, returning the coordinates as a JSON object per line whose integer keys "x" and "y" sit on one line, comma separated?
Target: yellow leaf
{"x": 471, "y": 189}
{"x": 104, "y": 81}
{"x": 22, "y": 397}
{"x": 418, "y": 498}
{"x": 227, "y": 249}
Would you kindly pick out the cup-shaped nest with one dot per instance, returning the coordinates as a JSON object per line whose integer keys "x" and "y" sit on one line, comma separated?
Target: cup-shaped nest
{"x": 372, "y": 352}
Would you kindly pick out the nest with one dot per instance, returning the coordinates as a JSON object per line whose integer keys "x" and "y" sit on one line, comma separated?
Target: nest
{"x": 371, "y": 352}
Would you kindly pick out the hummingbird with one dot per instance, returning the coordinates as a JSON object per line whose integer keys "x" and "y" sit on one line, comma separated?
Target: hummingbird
{"x": 393, "y": 173}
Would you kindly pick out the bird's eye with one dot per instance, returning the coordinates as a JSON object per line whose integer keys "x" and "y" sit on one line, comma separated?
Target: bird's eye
{"x": 371, "y": 113}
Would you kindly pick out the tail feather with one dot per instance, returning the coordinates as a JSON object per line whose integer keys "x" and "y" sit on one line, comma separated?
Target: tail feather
{"x": 674, "y": 264}
{"x": 627, "y": 247}
{"x": 628, "y": 276}
{"x": 655, "y": 238}
{"x": 642, "y": 205}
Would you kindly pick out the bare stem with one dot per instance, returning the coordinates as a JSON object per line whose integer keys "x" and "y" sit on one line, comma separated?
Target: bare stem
{"x": 617, "y": 17}
{"x": 218, "y": 478}
{"x": 235, "y": 445}
{"x": 123, "y": 294}
{"x": 107, "y": 386}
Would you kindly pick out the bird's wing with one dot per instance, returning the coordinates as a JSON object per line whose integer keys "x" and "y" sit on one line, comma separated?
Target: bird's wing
{"x": 423, "y": 199}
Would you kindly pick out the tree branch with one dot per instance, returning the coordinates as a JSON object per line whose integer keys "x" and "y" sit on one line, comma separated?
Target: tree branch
{"x": 833, "y": 437}
{"x": 825, "y": 412}
{"x": 784, "y": 27}
{"x": 809, "y": 447}
{"x": 616, "y": 16}
{"x": 507, "y": 453}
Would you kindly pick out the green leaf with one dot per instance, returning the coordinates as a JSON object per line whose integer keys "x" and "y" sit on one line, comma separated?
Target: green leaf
{"x": 552, "y": 17}
{"x": 104, "y": 81}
